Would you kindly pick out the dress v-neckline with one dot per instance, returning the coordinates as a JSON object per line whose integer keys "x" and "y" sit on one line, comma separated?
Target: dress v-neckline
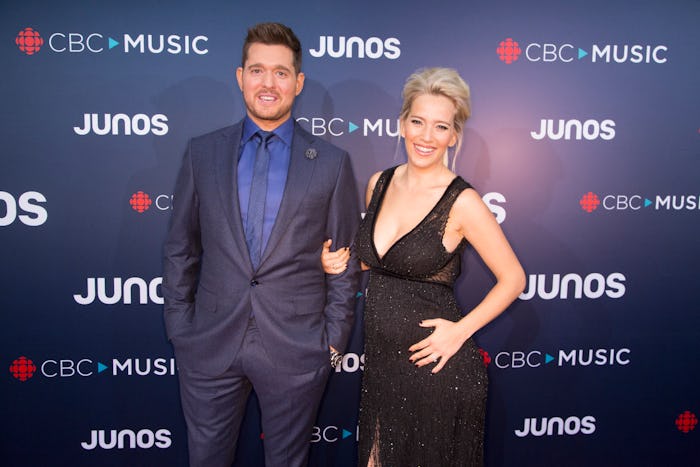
{"x": 378, "y": 208}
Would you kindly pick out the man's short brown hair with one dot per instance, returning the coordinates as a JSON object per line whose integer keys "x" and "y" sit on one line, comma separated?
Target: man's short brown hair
{"x": 273, "y": 34}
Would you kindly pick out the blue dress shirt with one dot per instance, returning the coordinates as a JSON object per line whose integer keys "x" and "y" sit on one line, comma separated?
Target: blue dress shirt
{"x": 280, "y": 149}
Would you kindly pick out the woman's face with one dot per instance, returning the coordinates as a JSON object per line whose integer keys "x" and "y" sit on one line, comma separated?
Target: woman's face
{"x": 428, "y": 129}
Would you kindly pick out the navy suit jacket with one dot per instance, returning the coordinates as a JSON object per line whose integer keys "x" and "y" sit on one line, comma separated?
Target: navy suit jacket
{"x": 209, "y": 284}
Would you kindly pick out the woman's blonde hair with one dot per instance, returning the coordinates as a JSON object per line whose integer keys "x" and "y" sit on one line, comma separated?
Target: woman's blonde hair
{"x": 439, "y": 82}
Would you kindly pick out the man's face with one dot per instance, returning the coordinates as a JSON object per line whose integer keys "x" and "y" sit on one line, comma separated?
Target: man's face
{"x": 269, "y": 84}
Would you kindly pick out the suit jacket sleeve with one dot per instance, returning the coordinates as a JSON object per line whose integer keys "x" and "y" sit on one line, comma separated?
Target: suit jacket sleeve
{"x": 342, "y": 223}
{"x": 182, "y": 250}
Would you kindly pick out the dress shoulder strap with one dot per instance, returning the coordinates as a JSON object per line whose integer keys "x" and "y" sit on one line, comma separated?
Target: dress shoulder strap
{"x": 457, "y": 186}
{"x": 380, "y": 187}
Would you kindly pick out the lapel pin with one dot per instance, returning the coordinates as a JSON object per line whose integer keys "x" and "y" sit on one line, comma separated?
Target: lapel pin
{"x": 311, "y": 154}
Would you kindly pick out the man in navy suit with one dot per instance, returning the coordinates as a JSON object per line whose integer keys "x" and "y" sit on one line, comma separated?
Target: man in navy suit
{"x": 247, "y": 304}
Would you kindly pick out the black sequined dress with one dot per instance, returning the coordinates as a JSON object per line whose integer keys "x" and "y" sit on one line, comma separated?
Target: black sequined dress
{"x": 408, "y": 416}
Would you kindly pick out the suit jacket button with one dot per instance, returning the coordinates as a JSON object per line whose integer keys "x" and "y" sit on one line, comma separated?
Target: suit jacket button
{"x": 253, "y": 283}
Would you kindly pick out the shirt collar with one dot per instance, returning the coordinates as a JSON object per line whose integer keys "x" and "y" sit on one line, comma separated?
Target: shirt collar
{"x": 283, "y": 132}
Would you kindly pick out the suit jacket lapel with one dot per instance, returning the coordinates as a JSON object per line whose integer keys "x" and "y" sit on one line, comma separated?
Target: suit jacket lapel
{"x": 299, "y": 176}
{"x": 227, "y": 180}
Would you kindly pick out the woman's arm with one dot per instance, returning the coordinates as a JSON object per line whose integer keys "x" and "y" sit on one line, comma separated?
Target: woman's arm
{"x": 335, "y": 262}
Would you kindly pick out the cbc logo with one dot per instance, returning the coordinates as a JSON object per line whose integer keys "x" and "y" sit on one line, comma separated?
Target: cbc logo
{"x": 509, "y": 50}
{"x": 132, "y": 439}
{"x": 372, "y": 47}
{"x": 121, "y": 291}
{"x": 122, "y": 124}
{"x": 30, "y": 42}
{"x": 142, "y": 202}
{"x": 32, "y": 214}
{"x": 550, "y": 426}
{"x": 24, "y": 368}
{"x": 577, "y": 357}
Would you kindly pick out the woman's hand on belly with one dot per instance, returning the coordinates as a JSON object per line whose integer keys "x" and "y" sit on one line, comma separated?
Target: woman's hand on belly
{"x": 445, "y": 341}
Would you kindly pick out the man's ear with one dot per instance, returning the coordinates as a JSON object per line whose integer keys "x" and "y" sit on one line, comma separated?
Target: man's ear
{"x": 239, "y": 77}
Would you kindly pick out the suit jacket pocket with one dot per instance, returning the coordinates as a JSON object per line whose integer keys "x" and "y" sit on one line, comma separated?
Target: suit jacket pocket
{"x": 197, "y": 314}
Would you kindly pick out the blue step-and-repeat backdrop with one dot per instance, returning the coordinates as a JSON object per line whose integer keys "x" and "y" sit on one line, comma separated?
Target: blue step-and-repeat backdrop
{"x": 584, "y": 143}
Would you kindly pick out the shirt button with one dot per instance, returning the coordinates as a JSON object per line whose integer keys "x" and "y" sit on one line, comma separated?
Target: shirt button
{"x": 253, "y": 283}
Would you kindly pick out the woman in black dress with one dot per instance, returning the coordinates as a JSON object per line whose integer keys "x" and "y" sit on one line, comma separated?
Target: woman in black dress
{"x": 424, "y": 385}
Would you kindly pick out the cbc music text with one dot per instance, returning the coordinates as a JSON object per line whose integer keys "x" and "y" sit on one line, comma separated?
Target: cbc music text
{"x": 550, "y": 426}
{"x": 575, "y": 129}
{"x": 576, "y": 357}
{"x": 33, "y": 213}
{"x": 572, "y": 285}
{"x": 85, "y": 367}
{"x": 608, "y": 53}
{"x": 335, "y": 126}
{"x": 122, "y": 124}
{"x": 351, "y": 47}
{"x": 174, "y": 44}
{"x": 131, "y": 439}
{"x": 637, "y": 202}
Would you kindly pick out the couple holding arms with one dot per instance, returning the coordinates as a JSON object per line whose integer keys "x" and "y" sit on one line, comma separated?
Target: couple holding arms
{"x": 254, "y": 298}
